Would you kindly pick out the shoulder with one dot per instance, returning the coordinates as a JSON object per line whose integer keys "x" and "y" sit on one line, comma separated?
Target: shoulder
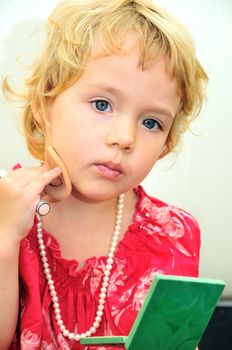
{"x": 162, "y": 219}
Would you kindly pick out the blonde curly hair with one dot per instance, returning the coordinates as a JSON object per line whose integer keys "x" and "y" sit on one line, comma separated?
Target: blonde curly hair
{"x": 71, "y": 30}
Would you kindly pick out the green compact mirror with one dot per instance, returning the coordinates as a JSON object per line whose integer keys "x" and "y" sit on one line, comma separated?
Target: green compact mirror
{"x": 174, "y": 315}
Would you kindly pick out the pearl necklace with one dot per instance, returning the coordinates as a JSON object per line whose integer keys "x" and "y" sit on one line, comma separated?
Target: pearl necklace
{"x": 105, "y": 282}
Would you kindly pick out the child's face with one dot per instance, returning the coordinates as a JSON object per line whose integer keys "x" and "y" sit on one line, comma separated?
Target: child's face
{"x": 110, "y": 127}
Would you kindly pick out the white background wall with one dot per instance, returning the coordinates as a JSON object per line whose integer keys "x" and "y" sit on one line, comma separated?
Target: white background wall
{"x": 199, "y": 178}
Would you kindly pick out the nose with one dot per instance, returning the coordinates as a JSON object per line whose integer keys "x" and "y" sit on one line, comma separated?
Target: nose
{"x": 122, "y": 133}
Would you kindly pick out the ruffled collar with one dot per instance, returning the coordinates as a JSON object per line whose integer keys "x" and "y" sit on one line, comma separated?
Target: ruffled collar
{"x": 53, "y": 244}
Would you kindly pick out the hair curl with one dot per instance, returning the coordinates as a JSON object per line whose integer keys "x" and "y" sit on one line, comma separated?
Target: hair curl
{"x": 71, "y": 30}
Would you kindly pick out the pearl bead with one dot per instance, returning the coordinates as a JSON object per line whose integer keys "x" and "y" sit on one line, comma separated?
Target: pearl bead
{"x": 77, "y": 337}
{"x": 103, "y": 289}
{"x": 71, "y": 336}
{"x": 112, "y": 250}
{"x": 99, "y": 312}
{"x": 96, "y": 324}
{"x": 57, "y": 311}
{"x": 114, "y": 244}
{"x": 109, "y": 267}
{"x": 98, "y": 319}
{"x": 48, "y": 276}
{"x": 110, "y": 260}
{"x": 106, "y": 278}
{"x": 102, "y": 295}
{"x": 53, "y": 293}
{"x": 44, "y": 259}
{"x": 66, "y": 333}
{"x": 47, "y": 270}
{"x": 52, "y": 288}
{"x": 101, "y": 301}
{"x": 93, "y": 330}
{"x": 114, "y": 240}
{"x": 56, "y": 305}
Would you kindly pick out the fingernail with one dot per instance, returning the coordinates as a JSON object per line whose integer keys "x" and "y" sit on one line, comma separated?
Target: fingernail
{"x": 17, "y": 166}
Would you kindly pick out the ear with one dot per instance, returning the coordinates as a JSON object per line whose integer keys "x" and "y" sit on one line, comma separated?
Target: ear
{"x": 37, "y": 114}
{"x": 52, "y": 159}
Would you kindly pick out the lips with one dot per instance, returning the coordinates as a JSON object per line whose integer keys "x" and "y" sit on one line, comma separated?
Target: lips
{"x": 109, "y": 170}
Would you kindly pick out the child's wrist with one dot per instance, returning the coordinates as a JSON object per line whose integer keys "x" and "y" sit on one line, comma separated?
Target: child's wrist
{"x": 9, "y": 246}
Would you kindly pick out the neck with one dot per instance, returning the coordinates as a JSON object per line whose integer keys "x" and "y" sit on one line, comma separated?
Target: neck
{"x": 83, "y": 216}
{"x": 75, "y": 209}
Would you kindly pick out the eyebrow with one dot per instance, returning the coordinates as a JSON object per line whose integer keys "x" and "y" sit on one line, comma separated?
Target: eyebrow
{"x": 113, "y": 90}
{"x": 106, "y": 88}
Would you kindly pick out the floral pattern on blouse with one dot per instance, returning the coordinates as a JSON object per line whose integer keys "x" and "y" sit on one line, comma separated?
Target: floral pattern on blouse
{"x": 162, "y": 240}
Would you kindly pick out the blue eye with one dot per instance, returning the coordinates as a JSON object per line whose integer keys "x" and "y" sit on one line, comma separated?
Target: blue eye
{"x": 152, "y": 124}
{"x": 102, "y": 105}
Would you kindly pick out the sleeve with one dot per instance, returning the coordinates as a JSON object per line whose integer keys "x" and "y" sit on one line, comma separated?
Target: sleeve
{"x": 188, "y": 244}
{"x": 172, "y": 236}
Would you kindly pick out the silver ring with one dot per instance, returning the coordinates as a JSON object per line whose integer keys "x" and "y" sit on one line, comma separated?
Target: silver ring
{"x": 43, "y": 207}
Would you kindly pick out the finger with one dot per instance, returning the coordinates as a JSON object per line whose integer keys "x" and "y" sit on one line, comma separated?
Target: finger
{"x": 39, "y": 182}
{"x": 56, "y": 182}
{"x": 25, "y": 176}
{"x": 19, "y": 174}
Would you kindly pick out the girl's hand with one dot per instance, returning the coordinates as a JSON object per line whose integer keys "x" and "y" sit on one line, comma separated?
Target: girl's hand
{"x": 20, "y": 192}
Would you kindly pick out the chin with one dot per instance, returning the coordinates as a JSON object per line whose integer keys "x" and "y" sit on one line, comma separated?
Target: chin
{"x": 95, "y": 194}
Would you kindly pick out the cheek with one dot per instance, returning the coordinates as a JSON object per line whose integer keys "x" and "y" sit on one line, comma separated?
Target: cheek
{"x": 148, "y": 162}
{"x": 150, "y": 150}
{"x": 144, "y": 164}
{"x": 75, "y": 144}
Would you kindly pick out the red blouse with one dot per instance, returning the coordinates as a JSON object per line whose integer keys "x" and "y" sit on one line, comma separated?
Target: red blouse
{"x": 162, "y": 239}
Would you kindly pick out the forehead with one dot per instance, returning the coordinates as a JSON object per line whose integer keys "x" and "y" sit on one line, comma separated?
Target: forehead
{"x": 125, "y": 44}
{"x": 130, "y": 46}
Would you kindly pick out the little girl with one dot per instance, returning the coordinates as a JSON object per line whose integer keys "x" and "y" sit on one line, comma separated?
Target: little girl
{"x": 112, "y": 92}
